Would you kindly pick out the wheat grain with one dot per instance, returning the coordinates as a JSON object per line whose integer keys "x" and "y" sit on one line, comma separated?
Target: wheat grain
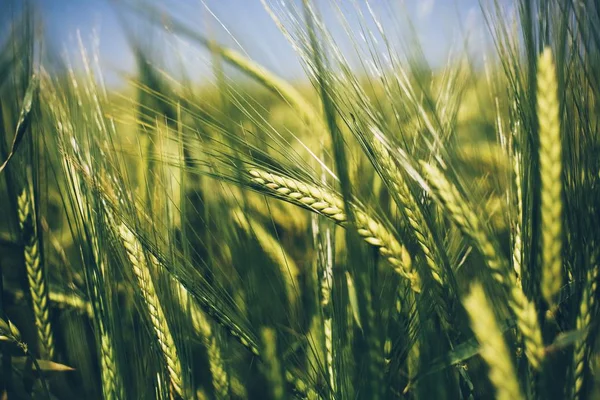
{"x": 112, "y": 386}
{"x": 583, "y": 322}
{"x": 35, "y": 275}
{"x": 493, "y": 348}
{"x": 219, "y": 374}
{"x": 466, "y": 219}
{"x": 420, "y": 229}
{"x": 517, "y": 231}
{"x": 141, "y": 271}
{"x": 330, "y": 205}
{"x": 550, "y": 172}
{"x": 412, "y": 211}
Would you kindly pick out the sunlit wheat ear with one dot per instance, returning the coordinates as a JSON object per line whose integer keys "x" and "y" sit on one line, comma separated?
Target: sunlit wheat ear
{"x": 330, "y": 205}
{"x": 550, "y": 173}
{"x": 9, "y": 332}
{"x": 155, "y": 311}
{"x": 466, "y": 219}
{"x": 416, "y": 220}
{"x": 517, "y": 231}
{"x": 220, "y": 378}
{"x": 584, "y": 320}
{"x": 412, "y": 211}
{"x": 493, "y": 348}
{"x": 35, "y": 275}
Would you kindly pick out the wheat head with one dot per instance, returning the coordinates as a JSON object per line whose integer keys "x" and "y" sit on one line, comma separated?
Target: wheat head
{"x": 550, "y": 173}
{"x": 35, "y": 275}
{"x": 330, "y": 205}
{"x": 493, "y": 348}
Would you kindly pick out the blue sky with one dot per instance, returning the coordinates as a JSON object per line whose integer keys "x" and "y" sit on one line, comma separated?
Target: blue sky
{"x": 438, "y": 25}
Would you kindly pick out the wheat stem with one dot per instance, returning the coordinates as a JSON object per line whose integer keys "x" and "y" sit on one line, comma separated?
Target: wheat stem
{"x": 288, "y": 268}
{"x": 272, "y": 365}
{"x": 202, "y": 327}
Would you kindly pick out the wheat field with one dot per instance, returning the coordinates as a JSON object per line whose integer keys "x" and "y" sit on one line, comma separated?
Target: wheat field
{"x": 386, "y": 230}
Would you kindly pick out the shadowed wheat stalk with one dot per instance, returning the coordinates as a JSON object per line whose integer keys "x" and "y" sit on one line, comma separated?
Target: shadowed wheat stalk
{"x": 202, "y": 327}
{"x": 272, "y": 367}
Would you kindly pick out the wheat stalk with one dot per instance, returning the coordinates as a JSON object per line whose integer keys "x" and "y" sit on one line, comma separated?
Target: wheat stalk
{"x": 272, "y": 367}
{"x": 330, "y": 205}
{"x": 288, "y": 268}
{"x": 35, "y": 275}
{"x": 323, "y": 243}
{"x": 493, "y": 348}
{"x": 141, "y": 271}
{"x": 550, "y": 172}
{"x": 466, "y": 219}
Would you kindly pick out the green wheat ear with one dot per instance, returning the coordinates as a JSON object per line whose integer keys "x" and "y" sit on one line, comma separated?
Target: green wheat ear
{"x": 141, "y": 270}
{"x": 35, "y": 275}
{"x": 468, "y": 221}
{"x": 493, "y": 347}
{"x": 583, "y": 322}
{"x": 550, "y": 172}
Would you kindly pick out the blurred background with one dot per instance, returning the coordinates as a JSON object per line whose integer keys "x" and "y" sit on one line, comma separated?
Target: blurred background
{"x": 440, "y": 26}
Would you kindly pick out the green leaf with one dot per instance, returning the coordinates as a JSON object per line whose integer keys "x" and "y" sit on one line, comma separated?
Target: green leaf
{"x": 566, "y": 339}
{"x": 45, "y": 365}
{"x": 24, "y": 120}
